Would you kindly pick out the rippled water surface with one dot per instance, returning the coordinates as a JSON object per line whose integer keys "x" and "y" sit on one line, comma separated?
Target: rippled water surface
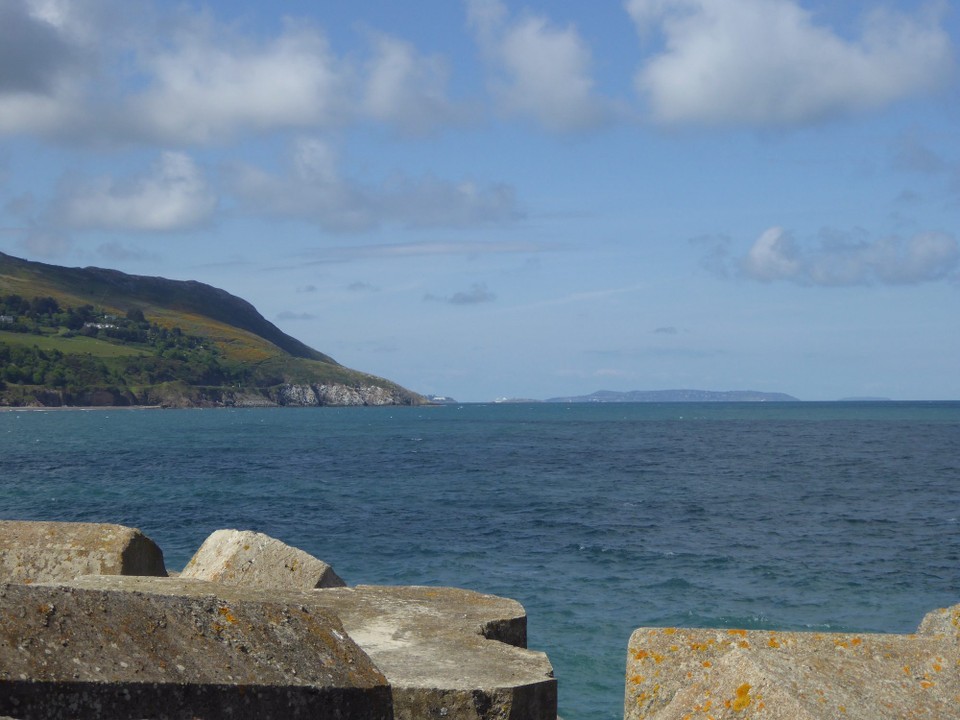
{"x": 598, "y": 518}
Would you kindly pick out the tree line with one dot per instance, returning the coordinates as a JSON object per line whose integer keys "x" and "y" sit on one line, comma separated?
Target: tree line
{"x": 166, "y": 354}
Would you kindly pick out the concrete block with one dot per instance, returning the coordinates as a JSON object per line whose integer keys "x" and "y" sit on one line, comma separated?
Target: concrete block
{"x": 682, "y": 674}
{"x": 448, "y": 653}
{"x": 252, "y": 559}
{"x": 138, "y": 647}
{"x": 35, "y": 552}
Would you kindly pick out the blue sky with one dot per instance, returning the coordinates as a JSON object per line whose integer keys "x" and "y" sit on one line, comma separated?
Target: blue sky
{"x": 490, "y": 199}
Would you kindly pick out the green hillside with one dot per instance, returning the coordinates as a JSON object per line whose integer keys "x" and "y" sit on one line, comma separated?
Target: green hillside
{"x": 90, "y": 336}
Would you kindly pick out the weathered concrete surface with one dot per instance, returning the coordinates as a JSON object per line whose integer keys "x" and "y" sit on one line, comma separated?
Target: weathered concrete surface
{"x": 243, "y": 557}
{"x": 138, "y": 647}
{"x": 32, "y": 552}
{"x": 945, "y": 621}
{"x": 679, "y": 674}
{"x": 449, "y": 653}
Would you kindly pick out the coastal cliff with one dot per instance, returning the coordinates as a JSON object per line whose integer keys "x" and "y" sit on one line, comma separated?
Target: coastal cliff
{"x": 95, "y": 337}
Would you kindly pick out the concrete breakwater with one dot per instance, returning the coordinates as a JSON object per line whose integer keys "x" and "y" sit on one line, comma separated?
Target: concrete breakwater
{"x": 93, "y": 626}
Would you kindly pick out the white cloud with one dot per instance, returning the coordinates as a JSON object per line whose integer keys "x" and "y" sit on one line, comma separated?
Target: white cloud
{"x": 406, "y": 89}
{"x": 925, "y": 257}
{"x": 174, "y": 196}
{"x": 922, "y": 258}
{"x": 772, "y": 257}
{"x": 542, "y": 71}
{"x": 767, "y": 62}
{"x": 314, "y": 190}
{"x": 206, "y": 86}
{"x": 121, "y": 71}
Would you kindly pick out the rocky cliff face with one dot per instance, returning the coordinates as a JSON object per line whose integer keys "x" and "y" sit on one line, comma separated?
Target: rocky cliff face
{"x": 342, "y": 395}
{"x": 287, "y": 395}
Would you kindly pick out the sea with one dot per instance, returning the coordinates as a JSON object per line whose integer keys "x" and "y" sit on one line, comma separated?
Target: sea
{"x": 598, "y": 518}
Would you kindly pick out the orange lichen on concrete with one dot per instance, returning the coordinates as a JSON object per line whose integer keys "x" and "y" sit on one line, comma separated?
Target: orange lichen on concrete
{"x": 742, "y": 700}
{"x": 787, "y": 675}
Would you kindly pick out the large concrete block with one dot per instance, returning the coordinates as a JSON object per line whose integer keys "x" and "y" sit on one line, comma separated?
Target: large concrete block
{"x": 448, "y": 653}
{"x": 33, "y": 552}
{"x": 137, "y": 647}
{"x": 243, "y": 557}
{"x": 682, "y": 674}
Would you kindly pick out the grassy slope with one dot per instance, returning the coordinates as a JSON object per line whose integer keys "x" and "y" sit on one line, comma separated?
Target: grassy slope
{"x": 233, "y": 324}
{"x": 76, "y": 345}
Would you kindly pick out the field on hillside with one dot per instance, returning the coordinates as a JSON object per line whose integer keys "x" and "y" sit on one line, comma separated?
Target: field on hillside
{"x": 76, "y": 345}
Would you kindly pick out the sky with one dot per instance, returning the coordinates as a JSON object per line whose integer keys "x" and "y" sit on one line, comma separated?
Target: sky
{"x": 487, "y": 198}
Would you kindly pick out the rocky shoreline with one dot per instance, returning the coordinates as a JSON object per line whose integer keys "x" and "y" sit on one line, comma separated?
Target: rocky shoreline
{"x": 92, "y": 625}
{"x": 183, "y": 396}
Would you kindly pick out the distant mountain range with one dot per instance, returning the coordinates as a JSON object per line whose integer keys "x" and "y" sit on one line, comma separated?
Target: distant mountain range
{"x": 609, "y": 396}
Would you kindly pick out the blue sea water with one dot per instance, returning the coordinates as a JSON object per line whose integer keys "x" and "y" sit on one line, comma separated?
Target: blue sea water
{"x": 598, "y": 518}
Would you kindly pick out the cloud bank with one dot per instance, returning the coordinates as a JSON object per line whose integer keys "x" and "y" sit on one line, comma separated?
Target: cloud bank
{"x": 925, "y": 257}
{"x": 768, "y": 63}
{"x": 207, "y": 86}
{"x": 89, "y": 71}
{"x": 173, "y": 196}
{"x": 314, "y": 189}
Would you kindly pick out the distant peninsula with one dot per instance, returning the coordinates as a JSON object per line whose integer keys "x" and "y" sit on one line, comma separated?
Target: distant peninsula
{"x": 72, "y": 337}
{"x": 654, "y": 396}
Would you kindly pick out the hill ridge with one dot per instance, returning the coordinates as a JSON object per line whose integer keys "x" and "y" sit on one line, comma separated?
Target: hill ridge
{"x": 200, "y": 298}
{"x": 81, "y": 333}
